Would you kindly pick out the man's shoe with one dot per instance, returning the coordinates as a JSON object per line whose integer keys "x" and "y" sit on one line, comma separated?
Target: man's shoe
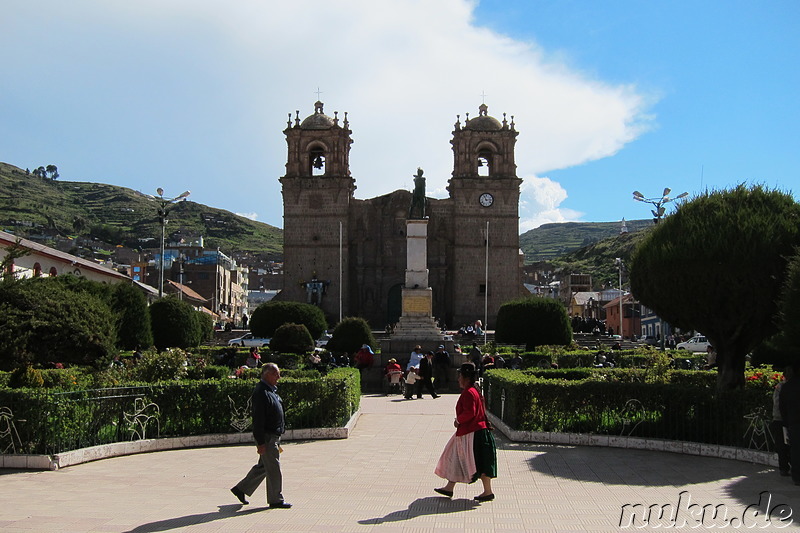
{"x": 435, "y": 396}
{"x": 280, "y": 505}
{"x": 785, "y": 473}
{"x": 240, "y": 495}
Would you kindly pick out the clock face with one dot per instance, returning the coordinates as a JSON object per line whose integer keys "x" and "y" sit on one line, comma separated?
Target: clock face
{"x": 486, "y": 199}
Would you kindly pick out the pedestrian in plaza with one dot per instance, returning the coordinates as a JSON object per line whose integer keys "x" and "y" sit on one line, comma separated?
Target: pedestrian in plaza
{"x": 417, "y": 355}
{"x": 776, "y": 426}
{"x": 441, "y": 367}
{"x": 471, "y": 453}
{"x": 268, "y": 426}
{"x": 425, "y": 375}
{"x": 789, "y": 400}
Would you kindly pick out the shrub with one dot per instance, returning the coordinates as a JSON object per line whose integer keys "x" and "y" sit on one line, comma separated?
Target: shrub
{"x": 533, "y": 322}
{"x": 168, "y": 365}
{"x": 43, "y": 320}
{"x": 175, "y": 323}
{"x": 269, "y": 316}
{"x": 132, "y": 317}
{"x": 27, "y": 377}
{"x": 206, "y": 324}
{"x": 292, "y": 338}
{"x": 350, "y": 334}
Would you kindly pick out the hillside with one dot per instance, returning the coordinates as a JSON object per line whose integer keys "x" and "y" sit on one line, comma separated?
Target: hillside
{"x": 598, "y": 259}
{"x": 551, "y": 241}
{"x": 33, "y": 205}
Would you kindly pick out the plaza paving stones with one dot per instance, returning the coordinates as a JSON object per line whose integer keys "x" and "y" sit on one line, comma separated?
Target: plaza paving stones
{"x": 381, "y": 479}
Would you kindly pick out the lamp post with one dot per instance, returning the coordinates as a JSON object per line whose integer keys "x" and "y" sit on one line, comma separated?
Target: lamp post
{"x": 164, "y": 206}
{"x": 620, "y": 264}
{"x": 659, "y": 202}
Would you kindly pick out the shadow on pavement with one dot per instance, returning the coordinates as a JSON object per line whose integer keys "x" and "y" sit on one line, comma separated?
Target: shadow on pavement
{"x": 225, "y": 511}
{"x": 425, "y": 506}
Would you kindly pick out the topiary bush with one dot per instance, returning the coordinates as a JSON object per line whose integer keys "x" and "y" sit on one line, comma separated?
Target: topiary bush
{"x": 44, "y": 320}
{"x": 132, "y": 317}
{"x": 533, "y": 322}
{"x": 292, "y": 338}
{"x": 350, "y": 334}
{"x": 269, "y": 316}
{"x": 175, "y": 323}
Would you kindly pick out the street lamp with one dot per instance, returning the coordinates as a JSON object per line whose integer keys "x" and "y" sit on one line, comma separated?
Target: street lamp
{"x": 620, "y": 265}
{"x": 164, "y": 206}
{"x": 659, "y": 202}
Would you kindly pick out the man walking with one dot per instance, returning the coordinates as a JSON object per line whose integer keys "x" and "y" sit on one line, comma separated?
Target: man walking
{"x": 441, "y": 367}
{"x": 268, "y": 426}
{"x": 425, "y": 375}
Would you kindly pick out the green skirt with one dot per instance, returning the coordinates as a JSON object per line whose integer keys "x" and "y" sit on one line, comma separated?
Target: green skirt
{"x": 485, "y": 450}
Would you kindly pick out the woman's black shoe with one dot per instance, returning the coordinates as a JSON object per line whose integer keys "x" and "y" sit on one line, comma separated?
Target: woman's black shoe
{"x": 487, "y": 498}
{"x": 448, "y": 493}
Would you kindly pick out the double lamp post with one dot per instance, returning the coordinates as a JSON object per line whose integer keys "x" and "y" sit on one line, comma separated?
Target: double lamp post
{"x": 164, "y": 207}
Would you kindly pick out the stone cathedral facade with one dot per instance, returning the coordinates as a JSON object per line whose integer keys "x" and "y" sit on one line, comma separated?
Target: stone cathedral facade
{"x": 349, "y": 255}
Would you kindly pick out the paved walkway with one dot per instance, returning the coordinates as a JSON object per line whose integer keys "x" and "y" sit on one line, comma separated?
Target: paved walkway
{"x": 381, "y": 479}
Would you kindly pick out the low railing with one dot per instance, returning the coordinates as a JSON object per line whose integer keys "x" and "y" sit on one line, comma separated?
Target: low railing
{"x": 667, "y": 411}
{"x": 43, "y": 422}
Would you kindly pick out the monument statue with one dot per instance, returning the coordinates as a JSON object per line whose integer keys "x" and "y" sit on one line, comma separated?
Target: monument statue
{"x": 418, "y": 200}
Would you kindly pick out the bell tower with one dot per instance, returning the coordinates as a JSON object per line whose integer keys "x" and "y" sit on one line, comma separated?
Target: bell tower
{"x": 317, "y": 191}
{"x": 485, "y": 191}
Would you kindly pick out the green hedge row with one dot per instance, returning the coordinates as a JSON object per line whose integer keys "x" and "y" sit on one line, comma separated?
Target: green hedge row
{"x": 52, "y": 422}
{"x": 685, "y": 408}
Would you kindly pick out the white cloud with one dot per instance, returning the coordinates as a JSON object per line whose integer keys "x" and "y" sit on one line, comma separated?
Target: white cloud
{"x": 539, "y": 201}
{"x": 208, "y": 85}
{"x": 251, "y": 216}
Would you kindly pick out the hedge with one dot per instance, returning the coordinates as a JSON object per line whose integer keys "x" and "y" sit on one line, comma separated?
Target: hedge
{"x": 52, "y": 422}
{"x": 611, "y": 402}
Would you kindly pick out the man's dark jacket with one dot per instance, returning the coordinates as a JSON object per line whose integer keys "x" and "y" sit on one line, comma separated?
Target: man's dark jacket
{"x": 267, "y": 412}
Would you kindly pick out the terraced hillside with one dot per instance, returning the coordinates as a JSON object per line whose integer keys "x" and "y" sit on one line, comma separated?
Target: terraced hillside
{"x": 551, "y": 241}
{"x": 34, "y": 205}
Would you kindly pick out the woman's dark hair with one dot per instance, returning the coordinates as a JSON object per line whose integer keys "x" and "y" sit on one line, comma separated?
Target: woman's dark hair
{"x": 468, "y": 371}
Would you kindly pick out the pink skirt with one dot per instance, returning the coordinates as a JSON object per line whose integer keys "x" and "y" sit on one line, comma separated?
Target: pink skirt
{"x": 457, "y": 462}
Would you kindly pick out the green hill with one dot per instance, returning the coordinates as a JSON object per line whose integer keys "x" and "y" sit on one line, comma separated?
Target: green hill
{"x": 551, "y": 241}
{"x": 32, "y": 205}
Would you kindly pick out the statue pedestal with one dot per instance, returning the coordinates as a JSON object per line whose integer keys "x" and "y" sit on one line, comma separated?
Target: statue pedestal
{"x": 416, "y": 324}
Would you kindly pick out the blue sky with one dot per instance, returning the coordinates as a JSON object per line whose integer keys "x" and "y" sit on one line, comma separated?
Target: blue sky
{"x": 608, "y": 97}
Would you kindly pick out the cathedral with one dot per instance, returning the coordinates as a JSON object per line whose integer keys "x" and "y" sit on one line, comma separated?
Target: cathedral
{"x": 348, "y": 255}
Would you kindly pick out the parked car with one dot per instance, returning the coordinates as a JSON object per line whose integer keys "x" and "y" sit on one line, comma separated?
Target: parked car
{"x": 650, "y": 340}
{"x": 698, "y": 343}
{"x": 323, "y": 340}
{"x": 249, "y": 340}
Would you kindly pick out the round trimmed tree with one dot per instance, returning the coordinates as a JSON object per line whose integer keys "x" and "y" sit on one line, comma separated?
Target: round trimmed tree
{"x": 350, "y": 334}
{"x": 175, "y": 324}
{"x": 533, "y": 321}
{"x": 269, "y": 316}
{"x": 42, "y": 321}
{"x": 292, "y": 338}
{"x": 717, "y": 265}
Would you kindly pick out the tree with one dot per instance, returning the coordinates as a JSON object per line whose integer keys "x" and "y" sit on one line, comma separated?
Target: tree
{"x": 132, "y": 317}
{"x": 175, "y": 323}
{"x": 52, "y": 170}
{"x": 350, "y": 334}
{"x": 292, "y": 338}
{"x": 533, "y": 322}
{"x": 269, "y": 316}
{"x": 43, "y": 320}
{"x": 717, "y": 265}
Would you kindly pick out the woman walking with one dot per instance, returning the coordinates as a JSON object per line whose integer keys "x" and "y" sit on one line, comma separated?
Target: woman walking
{"x": 471, "y": 453}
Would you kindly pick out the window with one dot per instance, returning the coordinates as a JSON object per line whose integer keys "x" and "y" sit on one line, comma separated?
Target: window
{"x": 482, "y": 288}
